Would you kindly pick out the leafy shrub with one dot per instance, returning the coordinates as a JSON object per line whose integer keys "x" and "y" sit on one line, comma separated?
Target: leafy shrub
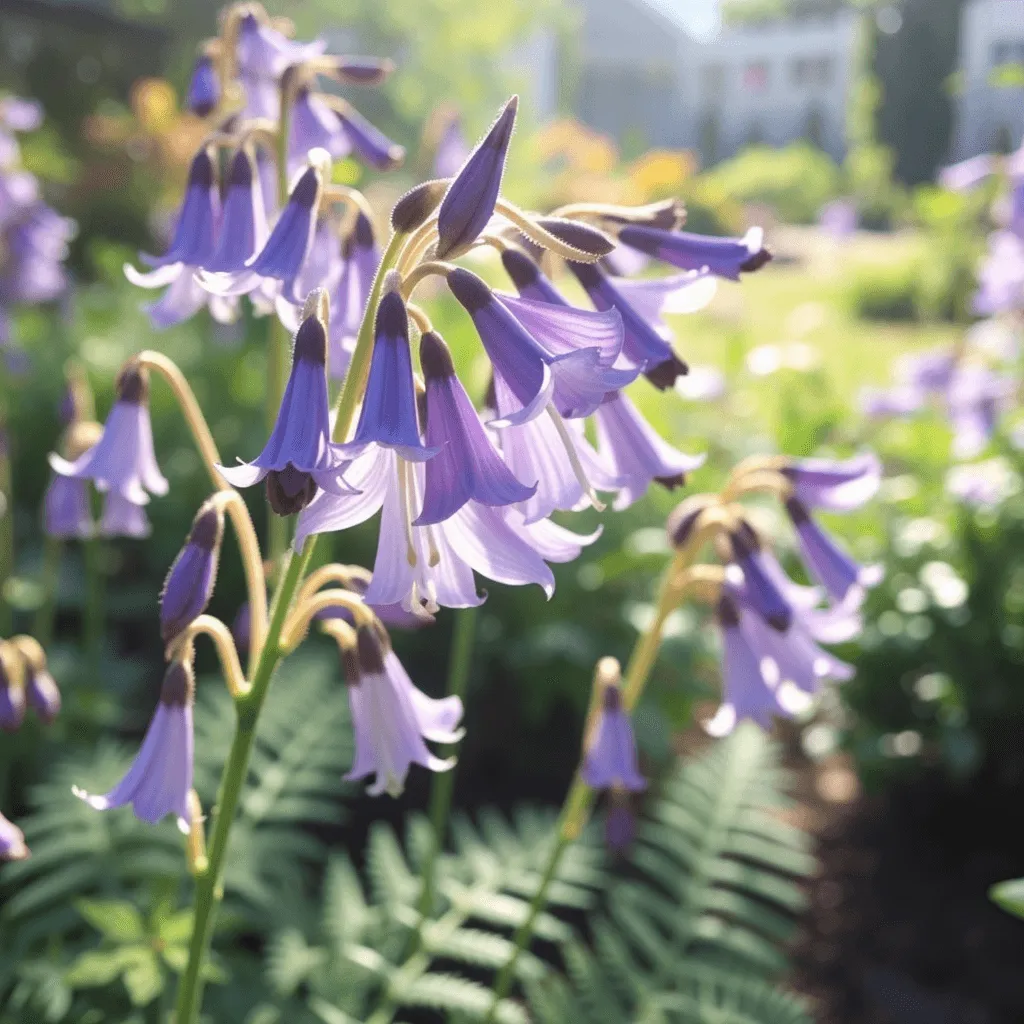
{"x": 796, "y": 180}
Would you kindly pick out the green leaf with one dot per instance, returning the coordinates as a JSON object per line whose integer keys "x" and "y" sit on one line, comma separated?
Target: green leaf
{"x": 116, "y": 919}
{"x": 144, "y": 979}
{"x": 177, "y": 928}
{"x": 1009, "y": 896}
{"x": 94, "y": 968}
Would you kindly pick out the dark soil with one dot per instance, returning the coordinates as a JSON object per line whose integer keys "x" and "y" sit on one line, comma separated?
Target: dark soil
{"x": 900, "y": 929}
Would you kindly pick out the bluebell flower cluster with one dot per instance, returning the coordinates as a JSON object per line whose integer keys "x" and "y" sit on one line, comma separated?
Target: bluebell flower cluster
{"x": 33, "y": 237}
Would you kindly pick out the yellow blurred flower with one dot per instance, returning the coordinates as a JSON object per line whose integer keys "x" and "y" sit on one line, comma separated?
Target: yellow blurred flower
{"x": 155, "y": 105}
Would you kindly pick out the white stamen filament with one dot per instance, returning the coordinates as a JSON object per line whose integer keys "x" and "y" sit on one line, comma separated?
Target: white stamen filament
{"x": 574, "y": 459}
{"x": 403, "y": 497}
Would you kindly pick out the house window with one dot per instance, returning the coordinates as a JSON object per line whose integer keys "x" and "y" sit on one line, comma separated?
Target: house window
{"x": 756, "y": 76}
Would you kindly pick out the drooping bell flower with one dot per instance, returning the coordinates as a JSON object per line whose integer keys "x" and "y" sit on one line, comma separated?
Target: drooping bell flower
{"x": 610, "y": 761}
{"x": 160, "y": 779}
{"x": 930, "y": 371}
{"x": 322, "y": 269}
{"x": 391, "y": 719}
{"x": 262, "y": 54}
{"x": 724, "y": 257}
{"x": 1001, "y": 276}
{"x": 882, "y": 403}
{"x": 825, "y": 560}
{"x": 535, "y": 347}
{"x": 16, "y": 115}
{"x": 12, "y": 689}
{"x": 977, "y": 397}
{"x": 123, "y": 518}
{"x": 314, "y": 124}
{"x": 425, "y": 567}
{"x": 42, "y": 693}
{"x": 244, "y": 229}
{"x": 12, "y": 841}
{"x": 643, "y": 345}
{"x": 123, "y": 460}
{"x": 204, "y": 87}
{"x": 761, "y": 590}
{"x": 360, "y": 258}
{"x": 191, "y": 579}
{"x": 634, "y": 454}
{"x": 193, "y": 245}
{"x": 536, "y": 451}
{"x": 195, "y": 231}
{"x": 838, "y": 485}
{"x": 467, "y": 465}
{"x": 284, "y": 254}
{"x": 66, "y": 511}
{"x": 388, "y": 417}
{"x": 469, "y": 202}
{"x": 766, "y": 672}
{"x": 369, "y": 142}
{"x": 299, "y": 456}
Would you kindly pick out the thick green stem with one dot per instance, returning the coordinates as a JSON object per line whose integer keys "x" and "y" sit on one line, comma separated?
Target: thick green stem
{"x": 580, "y": 798}
{"x": 43, "y": 630}
{"x": 443, "y": 785}
{"x": 210, "y": 884}
{"x": 94, "y": 614}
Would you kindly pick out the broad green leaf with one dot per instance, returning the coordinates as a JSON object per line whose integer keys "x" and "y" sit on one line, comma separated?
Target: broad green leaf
{"x": 97, "y": 967}
{"x": 116, "y": 919}
{"x": 144, "y": 979}
{"x": 177, "y": 928}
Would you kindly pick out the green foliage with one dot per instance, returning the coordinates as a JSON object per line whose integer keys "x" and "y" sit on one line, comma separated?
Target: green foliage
{"x": 1010, "y": 896}
{"x": 796, "y": 180}
{"x": 698, "y": 936}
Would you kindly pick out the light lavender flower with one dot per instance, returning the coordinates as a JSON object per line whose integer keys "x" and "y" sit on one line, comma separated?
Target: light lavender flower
{"x": 12, "y": 690}
{"x": 391, "y": 719}
{"x": 160, "y": 779}
{"x": 123, "y": 460}
{"x": 123, "y": 518}
{"x": 42, "y": 693}
{"x": 838, "y": 485}
{"x": 610, "y": 761}
{"x": 66, "y": 511}
{"x": 634, "y": 454}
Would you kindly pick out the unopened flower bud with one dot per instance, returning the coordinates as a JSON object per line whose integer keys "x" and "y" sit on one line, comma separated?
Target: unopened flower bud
{"x": 12, "y": 689}
{"x": 417, "y": 205}
{"x": 191, "y": 580}
{"x": 43, "y": 694}
{"x": 579, "y": 235}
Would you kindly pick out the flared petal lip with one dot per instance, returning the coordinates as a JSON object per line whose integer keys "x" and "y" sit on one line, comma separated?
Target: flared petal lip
{"x": 532, "y": 409}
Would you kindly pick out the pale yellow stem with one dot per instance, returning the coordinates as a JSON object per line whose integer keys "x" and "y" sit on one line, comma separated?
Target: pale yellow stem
{"x": 333, "y": 573}
{"x": 30, "y": 650}
{"x": 207, "y": 625}
{"x": 417, "y": 244}
{"x": 196, "y": 843}
{"x": 542, "y": 236}
{"x": 574, "y": 459}
{"x": 345, "y": 635}
{"x": 297, "y": 625}
{"x": 419, "y": 318}
{"x": 764, "y": 481}
{"x": 421, "y": 273}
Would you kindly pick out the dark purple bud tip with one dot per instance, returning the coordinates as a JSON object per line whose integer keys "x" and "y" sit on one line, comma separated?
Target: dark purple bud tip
{"x": 664, "y": 375}
{"x": 797, "y": 511}
{"x": 201, "y": 173}
{"x": 179, "y": 685}
{"x": 133, "y": 385}
{"x": 471, "y": 292}
{"x": 418, "y": 204}
{"x": 683, "y": 519}
{"x": 240, "y": 173}
{"x": 756, "y": 261}
{"x": 370, "y": 650}
{"x": 289, "y": 490}
{"x": 207, "y": 529}
{"x": 392, "y": 318}
{"x": 520, "y": 268}
{"x": 304, "y": 195}
{"x": 241, "y": 629}
{"x": 349, "y": 665}
{"x": 310, "y": 342}
{"x": 727, "y": 612}
{"x": 362, "y": 233}
{"x": 43, "y": 695}
{"x": 612, "y": 699}
{"x": 435, "y": 357}
{"x": 670, "y": 483}
{"x": 579, "y": 235}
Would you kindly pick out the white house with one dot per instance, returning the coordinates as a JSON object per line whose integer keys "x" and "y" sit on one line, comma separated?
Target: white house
{"x": 772, "y": 83}
{"x": 989, "y": 116}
